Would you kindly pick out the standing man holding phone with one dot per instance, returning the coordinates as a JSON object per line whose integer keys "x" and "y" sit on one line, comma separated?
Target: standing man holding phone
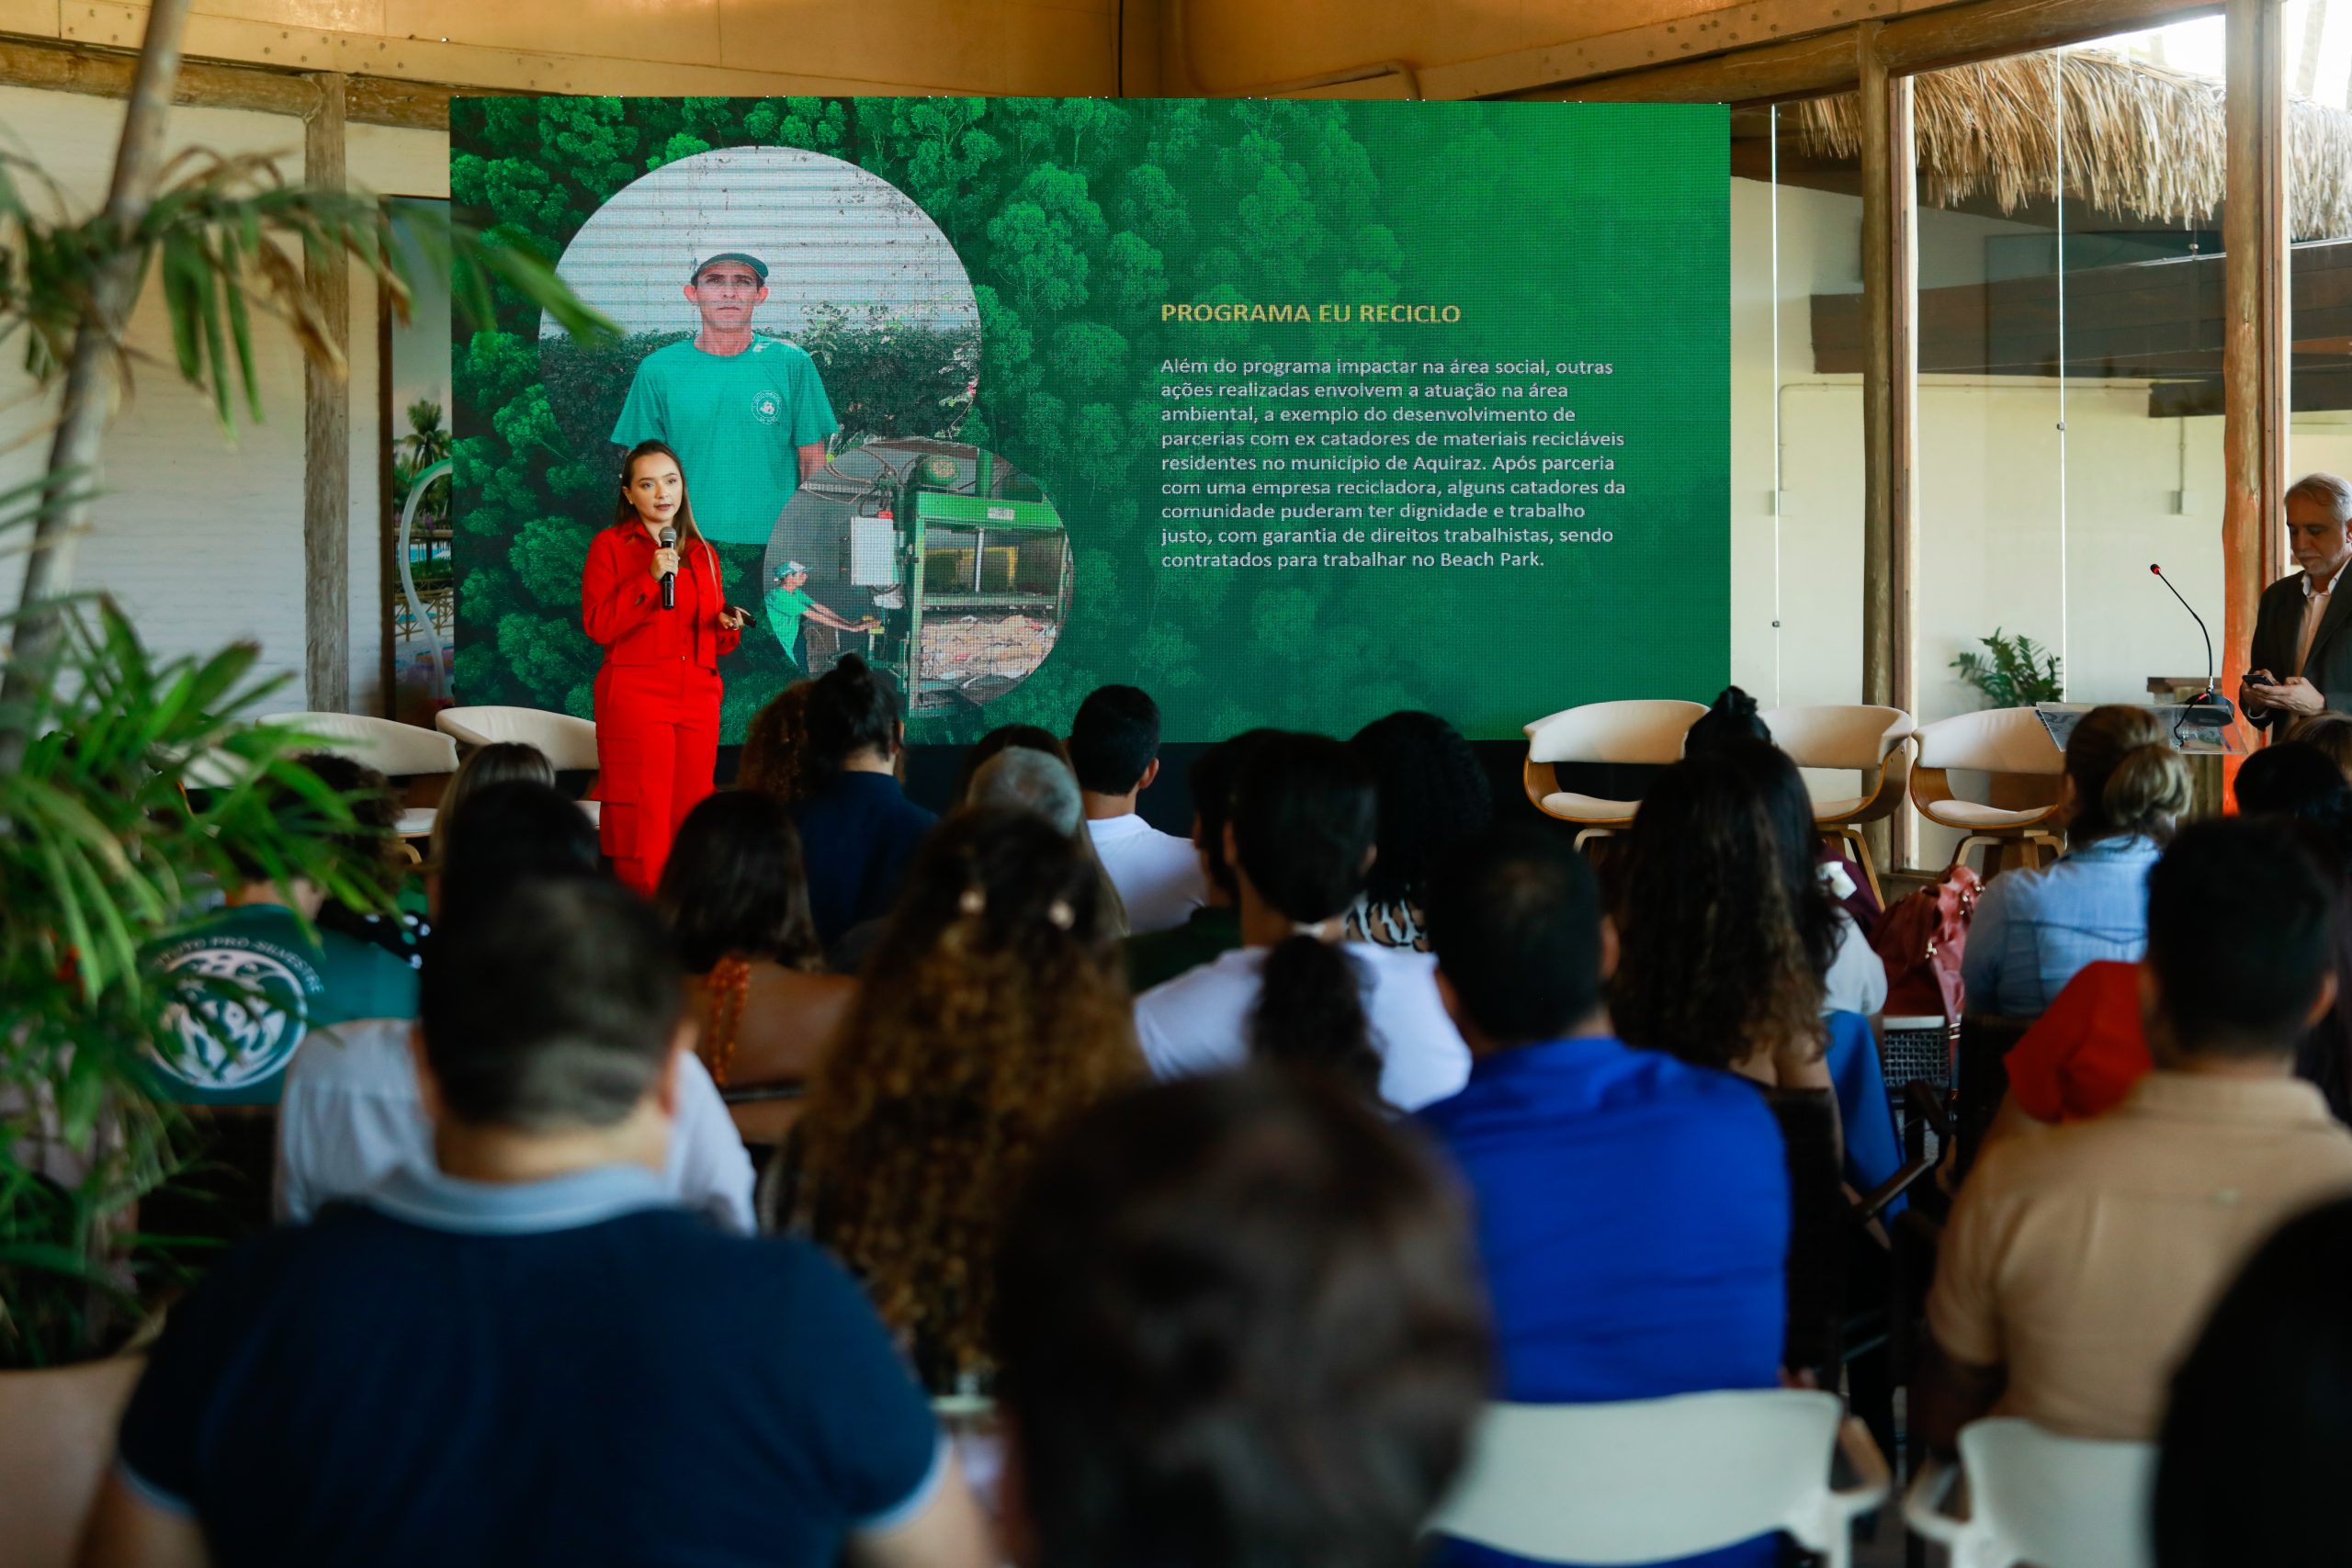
{"x": 2302, "y": 660}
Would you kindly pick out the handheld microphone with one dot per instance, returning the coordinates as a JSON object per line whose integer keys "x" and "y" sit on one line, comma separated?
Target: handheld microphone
{"x": 2207, "y": 707}
{"x": 670, "y": 579}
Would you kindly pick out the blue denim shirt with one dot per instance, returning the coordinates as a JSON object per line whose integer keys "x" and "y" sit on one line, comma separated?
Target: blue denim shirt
{"x": 2034, "y": 930}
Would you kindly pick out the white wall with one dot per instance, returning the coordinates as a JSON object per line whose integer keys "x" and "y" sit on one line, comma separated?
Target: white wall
{"x": 198, "y": 534}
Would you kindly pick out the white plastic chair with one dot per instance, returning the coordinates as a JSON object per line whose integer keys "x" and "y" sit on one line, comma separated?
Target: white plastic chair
{"x": 1657, "y": 1479}
{"x": 399, "y": 751}
{"x": 569, "y": 743}
{"x": 1639, "y": 730}
{"x": 2007, "y": 741}
{"x": 1858, "y": 738}
{"x": 2040, "y": 1499}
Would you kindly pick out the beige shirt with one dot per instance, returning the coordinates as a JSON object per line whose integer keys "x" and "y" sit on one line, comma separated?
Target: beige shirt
{"x": 2315, "y": 603}
{"x": 2085, "y": 1258}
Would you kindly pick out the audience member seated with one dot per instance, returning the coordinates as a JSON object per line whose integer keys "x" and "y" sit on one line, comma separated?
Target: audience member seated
{"x": 2330, "y": 733}
{"x": 1239, "y": 1326}
{"x": 859, "y": 829}
{"x": 1115, "y": 747}
{"x": 394, "y": 919}
{"x": 1002, "y": 738}
{"x": 1434, "y": 795}
{"x": 1041, "y": 782}
{"x": 524, "y": 1353}
{"x": 737, "y": 903}
{"x": 991, "y": 1012}
{"x": 1301, "y": 838}
{"x": 2257, "y": 1438}
{"x": 1723, "y": 955}
{"x": 304, "y": 988}
{"x": 501, "y": 761}
{"x": 772, "y": 746}
{"x": 2079, "y": 1262}
{"x": 1215, "y": 928}
{"x": 354, "y": 1116}
{"x": 1633, "y": 1211}
{"x": 2125, "y": 790}
{"x": 2083, "y": 1054}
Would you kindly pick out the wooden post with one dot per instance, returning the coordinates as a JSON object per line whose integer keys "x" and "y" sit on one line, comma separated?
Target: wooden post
{"x": 2254, "y": 325}
{"x": 326, "y": 434}
{"x": 1890, "y": 227}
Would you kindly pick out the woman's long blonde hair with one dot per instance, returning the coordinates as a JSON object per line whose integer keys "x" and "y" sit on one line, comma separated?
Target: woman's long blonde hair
{"x": 993, "y": 1010}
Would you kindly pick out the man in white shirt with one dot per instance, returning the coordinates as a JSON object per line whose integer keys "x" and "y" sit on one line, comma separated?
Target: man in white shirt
{"x": 1115, "y": 747}
{"x": 2299, "y": 641}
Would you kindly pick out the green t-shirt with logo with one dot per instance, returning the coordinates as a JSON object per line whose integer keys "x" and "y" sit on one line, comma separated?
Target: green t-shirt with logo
{"x": 785, "y": 606}
{"x": 229, "y": 1043}
{"x": 736, "y": 422}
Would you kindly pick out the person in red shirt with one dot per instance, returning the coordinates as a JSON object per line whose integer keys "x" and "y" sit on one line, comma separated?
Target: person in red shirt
{"x": 657, "y": 695}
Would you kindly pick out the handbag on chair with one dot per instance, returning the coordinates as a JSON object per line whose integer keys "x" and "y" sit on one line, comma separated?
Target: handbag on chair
{"x": 1920, "y": 941}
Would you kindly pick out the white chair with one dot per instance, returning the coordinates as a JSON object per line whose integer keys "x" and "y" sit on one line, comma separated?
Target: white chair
{"x": 2009, "y": 743}
{"x": 1858, "y": 738}
{"x": 1655, "y": 1479}
{"x": 1638, "y": 730}
{"x": 569, "y": 743}
{"x": 2040, "y": 1499}
{"x": 405, "y": 753}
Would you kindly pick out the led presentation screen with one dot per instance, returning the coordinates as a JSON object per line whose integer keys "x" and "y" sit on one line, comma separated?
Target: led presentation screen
{"x": 1293, "y": 413}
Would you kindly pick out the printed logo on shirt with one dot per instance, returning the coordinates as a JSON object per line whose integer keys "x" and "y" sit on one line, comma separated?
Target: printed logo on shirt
{"x": 242, "y": 1013}
{"x": 766, "y": 407}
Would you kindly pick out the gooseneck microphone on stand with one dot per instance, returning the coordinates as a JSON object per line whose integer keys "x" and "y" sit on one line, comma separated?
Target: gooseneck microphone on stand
{"x": 670, "y": 579}
{"x": 2209, "y": 709}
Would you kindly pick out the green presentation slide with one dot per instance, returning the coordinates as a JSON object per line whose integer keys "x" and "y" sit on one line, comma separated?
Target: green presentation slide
{"x": 1294, "y": 413}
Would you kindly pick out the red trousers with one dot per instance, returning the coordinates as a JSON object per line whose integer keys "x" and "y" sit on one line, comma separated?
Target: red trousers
{"x": 657, "y": 746}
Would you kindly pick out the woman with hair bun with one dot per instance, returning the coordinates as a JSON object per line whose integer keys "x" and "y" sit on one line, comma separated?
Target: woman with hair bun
{"x": 1300, "y": 839}
{"x": 859, "y": 829}
{"x": 2126, "y": 791}
{"x": 993, "y": 1009}
{"x": 661, "y": 614}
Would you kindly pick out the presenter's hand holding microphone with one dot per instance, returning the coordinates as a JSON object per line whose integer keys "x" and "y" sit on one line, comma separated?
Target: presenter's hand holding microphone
{"x": 665, "y": 566}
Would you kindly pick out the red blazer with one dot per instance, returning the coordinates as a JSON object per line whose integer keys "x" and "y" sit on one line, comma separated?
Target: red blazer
{"x": 621, "y": 601}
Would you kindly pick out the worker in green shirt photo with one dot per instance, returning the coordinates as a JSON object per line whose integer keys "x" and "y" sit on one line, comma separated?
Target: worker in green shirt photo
{"x": 747, "y": 415}
{"x": 788, "y": 605}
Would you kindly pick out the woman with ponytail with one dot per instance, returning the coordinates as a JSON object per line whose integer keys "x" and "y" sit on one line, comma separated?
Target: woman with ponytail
{"x": 859, "y": 829}
{"x": 2126, "y": 790}
{"x": 1300, "y": 840}
{"x": 660, "y": 612}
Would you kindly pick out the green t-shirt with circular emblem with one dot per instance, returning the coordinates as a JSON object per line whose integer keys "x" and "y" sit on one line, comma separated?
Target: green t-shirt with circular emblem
{"x": 736, "y": 422}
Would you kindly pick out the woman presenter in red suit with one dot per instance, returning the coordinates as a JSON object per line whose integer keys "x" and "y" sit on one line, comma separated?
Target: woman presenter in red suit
{"x": 657, "y": 695}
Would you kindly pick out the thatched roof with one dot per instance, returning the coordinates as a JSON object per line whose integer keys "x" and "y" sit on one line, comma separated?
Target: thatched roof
{"x": 2139, "y": 139}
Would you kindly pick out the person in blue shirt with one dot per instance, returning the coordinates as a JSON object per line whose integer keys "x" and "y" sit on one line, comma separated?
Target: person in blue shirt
{"x": 529, "y": 1355}
{"x": 2126, "y": 789}
{"x": 1632, "y": 1210}
{"x": 859, "y": 829}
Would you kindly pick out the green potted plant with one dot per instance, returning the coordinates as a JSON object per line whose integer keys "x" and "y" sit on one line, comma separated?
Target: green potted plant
{"x": 2012, "y": 672}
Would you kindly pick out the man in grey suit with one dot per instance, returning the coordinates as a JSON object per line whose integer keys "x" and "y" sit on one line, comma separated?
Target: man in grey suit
{"x": 2302, "y": 662}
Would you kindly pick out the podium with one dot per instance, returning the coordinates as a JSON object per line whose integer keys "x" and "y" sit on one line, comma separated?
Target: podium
{"x": 2201, "y": 743}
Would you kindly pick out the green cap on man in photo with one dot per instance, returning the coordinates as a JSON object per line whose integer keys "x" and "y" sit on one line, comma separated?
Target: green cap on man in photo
{"x": 746, "y": 257}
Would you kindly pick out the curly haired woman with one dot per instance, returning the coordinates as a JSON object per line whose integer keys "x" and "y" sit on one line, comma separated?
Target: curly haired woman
{"x": 992, "y": 1012}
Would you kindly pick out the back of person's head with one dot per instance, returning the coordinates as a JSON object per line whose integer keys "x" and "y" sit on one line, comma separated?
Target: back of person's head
{"x": 2286, "y": 780}
{"x": 1772, "y": 774}
{"x": 369, "y": 848}
{"x": 1212, "y": 780}
{"x": 735, "y": 887}
{"x": 1730, "y": 719}
{"x": 2241, "y": 937}
{"x": 503, "y": 761}
{"x": 1030, "y": 781}
{"x": 1239, "y": 1324}
{"x": 1304, "y": 814}
{"x": 1433, "y": 795}
{"x": 852, "y": 709}
{"x": 772, "y": 743}
{"x": 992, "y": 1007}
{"x": 1002, "y": 738}
{"x": 557, "y": 1010}
{"x": 1713, "y": 966}
{"x": 2330, "y": 732}
{"x": 510, "y": 834}
{"x": 2127, "y": 777}
{"x": 1113, "y": 739}
{"x": 2257, "y": 1435}
{"x": 1514, "y": 918}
